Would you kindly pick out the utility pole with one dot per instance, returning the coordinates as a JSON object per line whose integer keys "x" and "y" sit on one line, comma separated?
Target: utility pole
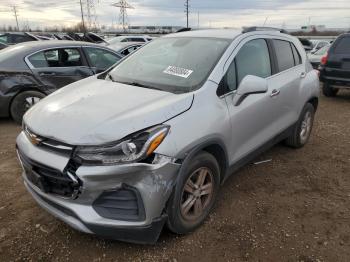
{"x": 123, "y": 5}
{"x": 15, "y": 12}
{"x": 187, "y": 6}
{"x": 82, "y": 15}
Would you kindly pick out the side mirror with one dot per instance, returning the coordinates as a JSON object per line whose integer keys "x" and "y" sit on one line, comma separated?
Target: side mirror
{"x": 250, "y": 85}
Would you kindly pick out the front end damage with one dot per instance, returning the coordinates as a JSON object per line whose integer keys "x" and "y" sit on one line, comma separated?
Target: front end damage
{"x": 123, "y": 202}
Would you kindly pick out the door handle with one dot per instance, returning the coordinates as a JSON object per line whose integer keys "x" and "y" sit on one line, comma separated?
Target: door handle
{"x": 302, "y": 75}
{"x": 47, "y": 74}
{"x": 275, "y": 92}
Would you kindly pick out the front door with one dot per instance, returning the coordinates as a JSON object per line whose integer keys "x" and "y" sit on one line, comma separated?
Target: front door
{"x": 253, "y": 120}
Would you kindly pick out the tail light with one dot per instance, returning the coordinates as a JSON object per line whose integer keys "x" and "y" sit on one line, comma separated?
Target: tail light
{"x": 324, "y": 59}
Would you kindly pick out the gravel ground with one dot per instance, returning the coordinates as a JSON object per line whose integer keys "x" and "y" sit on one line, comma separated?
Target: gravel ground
{"x": 293, "y": 208}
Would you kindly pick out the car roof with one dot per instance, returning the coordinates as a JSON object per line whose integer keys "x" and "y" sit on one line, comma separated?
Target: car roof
{"x": 26, "y": 48}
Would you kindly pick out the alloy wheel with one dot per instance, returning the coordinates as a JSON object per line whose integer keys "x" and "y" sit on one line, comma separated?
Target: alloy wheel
{"x": 306, "y": 126}
{"x": 197, "y": 194}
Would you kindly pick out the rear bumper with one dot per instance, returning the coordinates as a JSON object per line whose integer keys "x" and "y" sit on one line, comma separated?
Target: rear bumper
{"x": 333, "y": 79}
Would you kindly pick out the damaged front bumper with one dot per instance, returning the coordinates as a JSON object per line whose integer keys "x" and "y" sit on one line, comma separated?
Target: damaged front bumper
{"x": 124, "y": 202}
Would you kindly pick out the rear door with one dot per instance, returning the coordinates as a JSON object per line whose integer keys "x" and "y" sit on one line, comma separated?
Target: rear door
{"x": 58, "y": 67}
{"x": 285, "y": 83}
{"x": 338, "y": 65}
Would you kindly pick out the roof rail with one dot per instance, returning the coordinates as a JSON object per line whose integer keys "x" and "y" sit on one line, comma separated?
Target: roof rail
{"x": 261, "y": 28}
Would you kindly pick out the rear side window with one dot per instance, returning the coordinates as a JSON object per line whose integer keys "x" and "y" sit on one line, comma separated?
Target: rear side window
{"x": 342, "y": 46}
{"x": 284, "y": 54}
{"x": 66, "y": 57}
{"x": 253, "y": 59}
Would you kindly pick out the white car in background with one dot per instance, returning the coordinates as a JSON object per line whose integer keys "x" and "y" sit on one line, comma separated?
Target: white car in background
{"x": 318, "y": 44}
{"x": 315, "y": 58}
{"x": 129, "y": 38}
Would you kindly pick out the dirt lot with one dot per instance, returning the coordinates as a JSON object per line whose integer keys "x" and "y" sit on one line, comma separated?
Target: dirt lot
{"x": 294, "y": 208}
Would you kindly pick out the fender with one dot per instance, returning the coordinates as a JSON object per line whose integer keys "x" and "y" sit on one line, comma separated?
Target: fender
{"x": 186, "y": 155}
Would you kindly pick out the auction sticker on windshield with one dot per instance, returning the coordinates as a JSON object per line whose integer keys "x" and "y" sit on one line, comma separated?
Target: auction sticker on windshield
{"x": 178, "y": 71}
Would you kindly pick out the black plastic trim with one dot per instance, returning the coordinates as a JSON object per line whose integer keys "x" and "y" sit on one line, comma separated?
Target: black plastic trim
{"x": 130, "y": 206}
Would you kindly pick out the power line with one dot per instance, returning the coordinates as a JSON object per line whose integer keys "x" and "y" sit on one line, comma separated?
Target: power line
{"x": 123, "y": 17}
{"x": 82, "y": 16}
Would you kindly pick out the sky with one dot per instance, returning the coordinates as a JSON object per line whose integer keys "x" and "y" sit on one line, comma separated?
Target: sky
{"x": 203, "y": 13}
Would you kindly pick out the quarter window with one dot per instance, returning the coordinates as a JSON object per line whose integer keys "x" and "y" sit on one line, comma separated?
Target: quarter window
{"x": 253, "y": 59}
{"x": 284, "y": 54}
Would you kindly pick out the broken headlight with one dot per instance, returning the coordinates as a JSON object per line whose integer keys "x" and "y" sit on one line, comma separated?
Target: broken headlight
{"x": 132, "y": 148}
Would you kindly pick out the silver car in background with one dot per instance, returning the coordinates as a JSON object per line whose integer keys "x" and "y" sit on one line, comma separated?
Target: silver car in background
{"x": 150, "y": 141}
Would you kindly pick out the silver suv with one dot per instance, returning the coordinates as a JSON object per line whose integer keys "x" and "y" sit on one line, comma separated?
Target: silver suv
{"x": 150, "y": 141}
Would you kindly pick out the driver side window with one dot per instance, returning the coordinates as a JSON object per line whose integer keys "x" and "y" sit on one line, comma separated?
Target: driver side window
{"x": 252, "y": 59}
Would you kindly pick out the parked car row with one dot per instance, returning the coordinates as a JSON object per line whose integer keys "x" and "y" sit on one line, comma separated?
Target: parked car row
{"x": 29, "y": 71}
{"x": 149, "y": 142}
{"x": 19, "y": 37}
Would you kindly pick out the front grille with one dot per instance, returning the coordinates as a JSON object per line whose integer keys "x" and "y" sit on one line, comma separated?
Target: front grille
{"x": 121, "y": 204}
{"x": 50, "y": 180}
{"x": 56, "y": 146}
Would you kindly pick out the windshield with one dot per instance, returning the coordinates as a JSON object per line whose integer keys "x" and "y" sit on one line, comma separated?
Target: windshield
{"x": 322, "y": 51}
{"x": 175, "y": 65}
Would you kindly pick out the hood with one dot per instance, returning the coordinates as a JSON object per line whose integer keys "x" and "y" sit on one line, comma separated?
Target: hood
{"x": 94, "y": 111}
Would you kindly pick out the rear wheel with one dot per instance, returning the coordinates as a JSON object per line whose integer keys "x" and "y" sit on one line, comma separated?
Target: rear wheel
{"x": 302, "y": 130}
{"x": 194, "y": 195}
{"x": 329, "y": 91}
{"x": 22, "y": 102}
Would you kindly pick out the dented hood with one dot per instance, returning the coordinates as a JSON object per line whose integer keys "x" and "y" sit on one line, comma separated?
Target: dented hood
{"x": 93, "y": 111}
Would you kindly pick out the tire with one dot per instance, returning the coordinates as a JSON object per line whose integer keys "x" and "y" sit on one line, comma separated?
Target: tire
{"x": 22, "y": 102}
{"x": 329, "y": 91}
{"x": 302, "y": 130}
{"x": 179, "y": 221}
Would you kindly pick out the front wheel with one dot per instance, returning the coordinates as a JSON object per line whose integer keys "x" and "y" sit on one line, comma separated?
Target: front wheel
{"x": 194, "y": 194}
{"x": 302, "y": 130}
{"x": 22, "y": 102}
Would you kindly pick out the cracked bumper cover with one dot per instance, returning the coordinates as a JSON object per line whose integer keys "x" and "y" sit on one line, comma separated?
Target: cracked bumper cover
{"x": 154, "y": 182}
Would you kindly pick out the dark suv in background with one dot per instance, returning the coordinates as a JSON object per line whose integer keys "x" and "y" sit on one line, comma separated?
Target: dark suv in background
{"x": 335, "y": 66}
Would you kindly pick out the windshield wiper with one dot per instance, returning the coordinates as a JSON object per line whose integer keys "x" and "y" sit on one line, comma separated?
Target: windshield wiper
{"x": 140, "y": 85}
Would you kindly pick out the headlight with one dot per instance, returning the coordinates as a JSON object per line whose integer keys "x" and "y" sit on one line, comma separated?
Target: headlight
{"x": 132, "y": 148}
